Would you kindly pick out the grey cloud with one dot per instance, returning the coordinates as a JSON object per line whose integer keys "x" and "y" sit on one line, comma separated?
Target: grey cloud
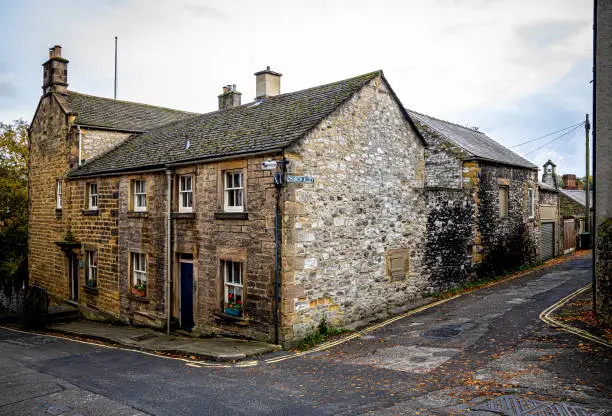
{"x": 7, "y": 89}
{"x": 206, "y": 12}
{"x": 544, "y": 34}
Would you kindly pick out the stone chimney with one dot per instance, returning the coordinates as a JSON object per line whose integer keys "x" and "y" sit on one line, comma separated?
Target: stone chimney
{"x": 267, "y": 83}
{"x": 55, "y": 77}
{"x": 569, "y": 182}
{"x": 230, "y": 97}
{"x": 550, "y": 174}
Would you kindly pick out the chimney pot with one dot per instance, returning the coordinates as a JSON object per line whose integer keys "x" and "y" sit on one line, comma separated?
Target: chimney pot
{"x": 230, "y": 97}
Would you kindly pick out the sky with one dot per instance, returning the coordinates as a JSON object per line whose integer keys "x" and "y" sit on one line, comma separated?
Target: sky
{"x": 516, "y": 69}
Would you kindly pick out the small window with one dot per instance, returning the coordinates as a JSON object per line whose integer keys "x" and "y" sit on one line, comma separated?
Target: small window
{"x": 503, "y": 201}
{"x": 139, "y": 274}
{"x": 531, "y": 202}
{"x": 140, "y": 195}
{"x": 92, "y": 190}
{"x": 233, "y": 272}
{"x": 234, "y": 191}
{"x": 58, "y": 194}
{"x": 185, "y": 193}
{"x": 91, "y": 279}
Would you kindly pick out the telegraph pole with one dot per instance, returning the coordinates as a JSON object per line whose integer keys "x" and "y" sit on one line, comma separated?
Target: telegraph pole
{"x": 587, "y": 212}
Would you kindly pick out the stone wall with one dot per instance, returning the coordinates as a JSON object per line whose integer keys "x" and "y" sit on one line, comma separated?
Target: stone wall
{"x": 94, "y": 142}
{"x": 96, "y": 231}
{"x": 353, "y": 241}
{"x": 450, "y": 236}
{"x": 49, "y": 151}
{"x": 602, "y": 164}
{"x": 513, "y": 241}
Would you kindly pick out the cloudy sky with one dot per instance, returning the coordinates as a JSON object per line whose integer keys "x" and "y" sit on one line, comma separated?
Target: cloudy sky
{"x": 516, "y": 69}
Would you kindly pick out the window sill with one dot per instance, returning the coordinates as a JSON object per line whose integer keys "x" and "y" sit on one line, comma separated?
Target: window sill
{"x": 138, "y": 214}
{"x": 90, "y": 212}
{"x": 90, "y": 290}
{"x": 231, "y": 215}
{"x": 236, "y": 320}
{"x": 183, "y": 215}
{"x": 141, "y": 299}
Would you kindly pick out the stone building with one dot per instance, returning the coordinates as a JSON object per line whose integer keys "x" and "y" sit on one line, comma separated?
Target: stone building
{"x": 572, "y": 206}
{"x": 484, "y": 216}
{"x": 602, "y": 148}
{"x": 256, "y": 220}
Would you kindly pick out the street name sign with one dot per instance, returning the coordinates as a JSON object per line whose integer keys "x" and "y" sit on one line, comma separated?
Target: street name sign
{"x": 299, "y": 179}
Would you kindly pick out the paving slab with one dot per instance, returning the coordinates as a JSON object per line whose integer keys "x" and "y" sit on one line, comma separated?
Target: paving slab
{"x": 212, "y": 348}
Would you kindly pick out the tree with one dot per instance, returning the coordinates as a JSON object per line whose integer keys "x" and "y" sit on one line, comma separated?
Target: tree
{"x": 14, "y": 147}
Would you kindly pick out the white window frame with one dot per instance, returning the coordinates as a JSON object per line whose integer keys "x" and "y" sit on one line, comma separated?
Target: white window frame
{"x": 231, "y": 282}
{"x": 185, "y": 193}
{"x": 140, "y": 193}
{"x": 92, "y": 268}
{"x": 503, "y": 213}
{"x": 233, "y": 190}
{"x": 531, "y": 202}
{"x": 139, "y": 268}
{"x": 58, "y": 194}
{"x": 92, "y": 196}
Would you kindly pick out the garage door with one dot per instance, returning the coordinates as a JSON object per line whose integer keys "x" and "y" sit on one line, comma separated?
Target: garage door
{"x": 547, "y": 236}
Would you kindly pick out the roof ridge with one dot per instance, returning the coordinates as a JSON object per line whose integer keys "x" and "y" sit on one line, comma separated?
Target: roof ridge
{"x": 131, "y": 102}
{"x": 448, "y": 122}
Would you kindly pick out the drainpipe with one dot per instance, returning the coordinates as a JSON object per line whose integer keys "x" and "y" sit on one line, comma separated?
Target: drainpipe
{"x": 80, "y": 141}
{"x": 168, "y": 248}
{"x": 278, "y": 183}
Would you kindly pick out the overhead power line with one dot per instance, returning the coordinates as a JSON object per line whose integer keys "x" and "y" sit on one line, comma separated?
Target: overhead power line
{"x": 547, "y": 135}
{"x": 556, "y": 138}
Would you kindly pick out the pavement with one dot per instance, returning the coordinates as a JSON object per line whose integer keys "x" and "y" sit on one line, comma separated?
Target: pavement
{"x": 147, "y": 339}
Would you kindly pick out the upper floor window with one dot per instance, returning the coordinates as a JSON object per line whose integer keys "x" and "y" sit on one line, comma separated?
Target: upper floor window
{"x": 185, "y": 193}
{"x": 92, "y": 269}
{"x": 140, "y": 195}
{"x": 531, "y": 202}
{"x": 58, "y": 194}
{"x": 503, "y": 201}
{"x": 233, "y": 191}
{"x": 92, "y": 190}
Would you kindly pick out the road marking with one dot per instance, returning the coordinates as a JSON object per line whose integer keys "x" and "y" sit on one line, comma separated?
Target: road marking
{"x": 546, "y": 316}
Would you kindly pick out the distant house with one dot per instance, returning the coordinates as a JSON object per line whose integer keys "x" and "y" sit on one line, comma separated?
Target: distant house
{"x": 572, "y": 204}
{"x": 257, "y": 220}
{"x": 482, "y": 199}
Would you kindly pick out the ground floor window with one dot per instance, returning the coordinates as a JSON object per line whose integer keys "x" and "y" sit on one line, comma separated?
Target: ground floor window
{"x": 91, "y": 279}
{"x": 139, "y": 274}
{"x": 233, "y": 273}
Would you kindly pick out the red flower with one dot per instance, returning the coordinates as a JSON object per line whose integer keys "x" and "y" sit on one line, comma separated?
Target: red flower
{"x": 229, "y": 295}
{"x": 239, "y": 302}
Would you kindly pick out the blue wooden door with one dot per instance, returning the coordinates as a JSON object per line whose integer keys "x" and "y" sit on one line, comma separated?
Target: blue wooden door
{"x": 187, "y": 296}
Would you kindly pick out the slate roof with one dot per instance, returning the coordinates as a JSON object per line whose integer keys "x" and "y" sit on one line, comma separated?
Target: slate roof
{"x": 476, "y": 143}
{"x": 263, "y": 125}
{"x": 547, "y": 187}
{"x": 577, "y": 195}
{"x": 120, "y": 115}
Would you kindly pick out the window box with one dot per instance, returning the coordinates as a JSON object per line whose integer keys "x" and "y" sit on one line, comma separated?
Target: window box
{"x": 142, "y": 292}
{"x": 231, "y": 319}
{"x": 183, "y": 215}
{"x": 90, "y": 213}
{"x": 233, "y": 312}
{"x": 132, "y": 214}
{"x": 90, "y": 290}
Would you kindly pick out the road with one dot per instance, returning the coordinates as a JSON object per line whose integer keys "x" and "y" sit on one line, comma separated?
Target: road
{"x": 454, "y": 358}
